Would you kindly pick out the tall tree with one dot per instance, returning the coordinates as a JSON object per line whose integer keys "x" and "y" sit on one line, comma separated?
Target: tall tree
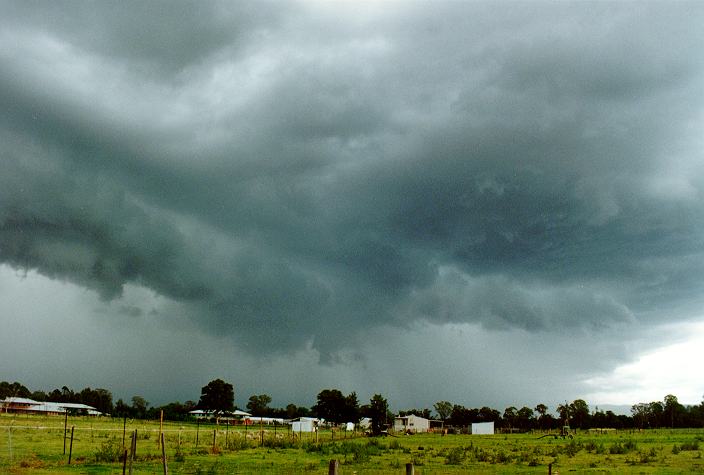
{"x": 139, "y": 407}
{"x": 378, "y": 411}
{"x": 671, "y": 409}
{"x": 579, "y": 411}
{"x": 334, "y": 407}
{"x": 541, "y": 409}
{"x": 525, "y": 418}
{"x": 217, "y": 396}
{"x": 510, "y": 414}
{"x": 13, "y": 390}
{"x": 351, "y": 408}
{"x": 258, "y": 405}
{"x": 564, "y": 411}
{"x": 444, "y": 409}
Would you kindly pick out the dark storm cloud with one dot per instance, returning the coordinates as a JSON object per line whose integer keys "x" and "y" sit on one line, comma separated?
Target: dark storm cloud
{"x": 320, "y": 172}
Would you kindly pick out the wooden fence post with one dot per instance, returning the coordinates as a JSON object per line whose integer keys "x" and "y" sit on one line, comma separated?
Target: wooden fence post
{"x": 410, "y": 470}
{"x": 334, "y": 467}
{"x": 70, "y": 450}
{"x": 133, "y": 449}
{"x": 163, "y": 453}
{"x": 65, "y": 423}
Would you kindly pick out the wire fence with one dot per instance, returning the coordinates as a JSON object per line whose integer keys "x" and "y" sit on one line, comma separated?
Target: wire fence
{"x": 45, "y": 441}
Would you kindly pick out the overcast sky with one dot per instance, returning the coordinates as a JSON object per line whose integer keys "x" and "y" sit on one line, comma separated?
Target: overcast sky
{"x": 488, "y": 203}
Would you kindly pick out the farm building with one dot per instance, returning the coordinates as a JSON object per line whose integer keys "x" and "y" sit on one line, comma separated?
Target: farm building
{"x": 21, "y": 405}
{"x": 305, "y": 424}
{"x": 482, "y": 428}
{"x": 234, "y": 416}
{"x": 411, "y": 424}
{"x": 252, "y": 420}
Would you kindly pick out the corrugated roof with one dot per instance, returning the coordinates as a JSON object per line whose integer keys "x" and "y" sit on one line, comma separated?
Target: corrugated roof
{"x": 19, "y": 400}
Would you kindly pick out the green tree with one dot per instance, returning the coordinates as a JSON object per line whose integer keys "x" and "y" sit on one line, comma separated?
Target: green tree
{"x": 579, "y": 412}
{"x": 564, "y": 411}
{"x": 510, "y": 416}
{"x": 139, "y": 407}
{"x": 351, "y": 409}
{"x": 38, "y": 396}
{"x": 487, "y": 414}
{"x": 444, "y": 409}
{"x": 640, "y": 413}
{"x": 13, "y": 390}
{"x": 656, "y": 413}
{"x": 122, "y": 409}
{"x": 541, "y": 409}
{"x": 525, "y": 418}
{"x": 672, "y": 409}
{"x": 334, "y": 407}
{"x": 378, "y": 412}
{"x": 258, "y": 405}
{"x": 217, "y": 396}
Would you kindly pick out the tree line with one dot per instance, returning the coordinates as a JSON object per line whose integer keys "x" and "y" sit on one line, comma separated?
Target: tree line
{"x": 334, "y": 406}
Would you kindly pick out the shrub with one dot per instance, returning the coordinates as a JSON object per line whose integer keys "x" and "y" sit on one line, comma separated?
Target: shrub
{"x": 619, "y": 449}
{"x": 455, "y": 456}
{"x": 694, "y": 445}
{"x": 572, "y": 448}
{"x": 109, "y": 451}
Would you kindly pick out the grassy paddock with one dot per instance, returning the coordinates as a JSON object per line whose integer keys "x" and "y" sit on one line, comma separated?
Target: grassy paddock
{"x": 33, "y": 444}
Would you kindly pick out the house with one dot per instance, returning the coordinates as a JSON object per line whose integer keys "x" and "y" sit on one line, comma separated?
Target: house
{"x": 365, "y": 423}
{"x": 21, "y": 405}
{"x": 305, "y": 424}
{"x": 17, "y": 404}
{"x": 482, "y": 428}
{"x": 411, "y": 424}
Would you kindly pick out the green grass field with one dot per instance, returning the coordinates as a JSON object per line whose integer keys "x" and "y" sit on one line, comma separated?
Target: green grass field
{"x": 33, "y": 444}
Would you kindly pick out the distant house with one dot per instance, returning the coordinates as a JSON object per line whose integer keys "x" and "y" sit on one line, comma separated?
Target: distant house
{"x": 365, "y": 423}
{"x": 411, "y": 424}
{"x": 305, "y": 424}
{"x": 252, "y": 420}
{"x": 21, "y": 405}
{"x": 17, "y": 404}
{"x": 482, "y": 428}
{"x": 225, "y": 416}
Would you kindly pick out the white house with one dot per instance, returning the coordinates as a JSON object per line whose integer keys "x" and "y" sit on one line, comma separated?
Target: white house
{"x": 365, "y": 423}
{"x": 305, "y": 424}
{"x": 482, "y": 428}
{"x": 411, "y": 423}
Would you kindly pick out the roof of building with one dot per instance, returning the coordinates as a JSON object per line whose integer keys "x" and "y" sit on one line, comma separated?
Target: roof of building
{"x": 236, "y": 412}
{"x": 19, "y": 400}
{"x": 49, "y": 406}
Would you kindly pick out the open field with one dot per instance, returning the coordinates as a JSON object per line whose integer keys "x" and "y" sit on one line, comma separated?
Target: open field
{"x": 34, "y": 444}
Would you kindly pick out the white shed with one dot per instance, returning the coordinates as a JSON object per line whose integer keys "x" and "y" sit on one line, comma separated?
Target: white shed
{"x": 482, "y": 428}
{"x": 304, "y": 424}
{"x": 411, "y": 423}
